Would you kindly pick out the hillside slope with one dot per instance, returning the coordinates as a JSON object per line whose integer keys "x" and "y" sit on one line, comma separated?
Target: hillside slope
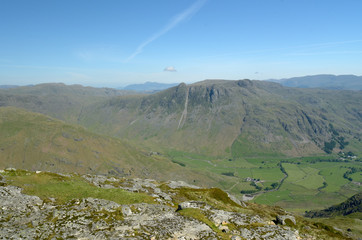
{"x": 37, "y": 142}
{"x": 351, "y": 205}
{"x": 244, "y": 118}
{"x": 56, "y": 99}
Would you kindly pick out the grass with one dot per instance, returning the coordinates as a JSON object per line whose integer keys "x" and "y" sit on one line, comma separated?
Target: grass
{"x": 243, "y": 147}
{"x": 304, "y": 176}
{"x": 313, "y": 180}
{"x": 34, "y": 141}
{"x": 267, "y": 174}
{"x": 357, "y": 176}
{"x": 301, "y": 189}
{"x": 49, "y": 185}
{"x": 333, "y": 174}
{"x": 353, "y": 223}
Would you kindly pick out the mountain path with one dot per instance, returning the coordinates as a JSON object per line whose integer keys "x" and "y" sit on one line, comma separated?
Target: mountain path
{"x": 184, "y": 113}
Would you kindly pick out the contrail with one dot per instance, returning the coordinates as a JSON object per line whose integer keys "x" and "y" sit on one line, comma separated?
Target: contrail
{"x": 194, "y": 8}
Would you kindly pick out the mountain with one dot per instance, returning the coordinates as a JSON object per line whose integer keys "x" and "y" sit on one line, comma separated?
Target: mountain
{"x": 149, "y": 87}
{"x": 324, "y": 81}
{"x": 241, "y": 118}
{"x": 56, "y": 99}
{"x": 350, "y": 206}
{"x": 212, "y": 117}
{"x": 8, "y": 86}
{"x": 35, "y": 141}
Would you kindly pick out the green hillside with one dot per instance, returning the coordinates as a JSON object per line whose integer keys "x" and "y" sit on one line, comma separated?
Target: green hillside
{"x": 350, "y": 206}
{"x": 61, "y": 101}
{"x": 37, "y": 142}
{"x": 234, "y": 118}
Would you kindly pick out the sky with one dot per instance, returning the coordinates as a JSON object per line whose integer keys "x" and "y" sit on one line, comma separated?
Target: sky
{"x": 114, "y": 43}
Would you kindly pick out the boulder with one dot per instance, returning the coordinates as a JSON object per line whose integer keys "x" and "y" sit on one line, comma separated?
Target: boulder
{"x": 285, "y": 220}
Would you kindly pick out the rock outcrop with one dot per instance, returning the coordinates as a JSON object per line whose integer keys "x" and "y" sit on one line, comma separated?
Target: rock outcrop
{"x": 212, "y": 216}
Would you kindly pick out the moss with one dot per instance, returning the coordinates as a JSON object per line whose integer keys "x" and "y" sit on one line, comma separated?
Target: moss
{"x": 134, "y": 209}
{"x": 254, "y": 225}
{"x": 63, "y": 189}
{"x": 16, "y": 172}
{"x": 289, "y": 222}
{"x": 30, "y": 225}
{"x": 108, "y": 217}
{"x": 214, "y": 197}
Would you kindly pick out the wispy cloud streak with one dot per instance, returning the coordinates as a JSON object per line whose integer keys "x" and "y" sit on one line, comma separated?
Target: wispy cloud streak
{"x": 193, "y": 9}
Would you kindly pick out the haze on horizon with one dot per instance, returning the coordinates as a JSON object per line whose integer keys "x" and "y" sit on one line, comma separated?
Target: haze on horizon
{"x": 115, "y": 43}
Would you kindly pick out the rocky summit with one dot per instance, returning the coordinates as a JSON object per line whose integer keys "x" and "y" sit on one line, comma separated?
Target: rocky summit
{"x": 32, "y": 208}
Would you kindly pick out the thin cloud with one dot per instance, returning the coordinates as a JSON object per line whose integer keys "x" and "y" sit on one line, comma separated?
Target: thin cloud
{"x": 170, "y": 69}
{"x": 193, "y": 9}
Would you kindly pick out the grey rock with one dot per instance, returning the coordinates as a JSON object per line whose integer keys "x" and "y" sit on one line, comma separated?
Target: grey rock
{"x": 193, "y": 204}
{"x": 28, "y": 217}
{"x": 180, "y": 184}
{"x": 237, "y": 201}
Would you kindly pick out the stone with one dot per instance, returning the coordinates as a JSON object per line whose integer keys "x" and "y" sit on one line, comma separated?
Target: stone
{"x": 180, "y": 184}
{"x": 224, "y": 228}
{"x": 283, "y": 219}
{"x": 237, "y": 201}
{"x": 191, "y": 204}
{"x": 27, "y": 217}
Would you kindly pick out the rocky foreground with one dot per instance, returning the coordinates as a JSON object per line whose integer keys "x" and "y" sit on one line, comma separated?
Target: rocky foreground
{"x": 179, "y": 211}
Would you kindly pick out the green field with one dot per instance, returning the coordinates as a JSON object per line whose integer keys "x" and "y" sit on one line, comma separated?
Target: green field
{"x": 312, "y": 183}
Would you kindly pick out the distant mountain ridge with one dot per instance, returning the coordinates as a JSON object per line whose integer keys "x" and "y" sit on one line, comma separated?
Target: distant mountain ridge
{"x": 149, "y": 87}
{"x": 8, "y": 86}
{"x": 324, "y": 81}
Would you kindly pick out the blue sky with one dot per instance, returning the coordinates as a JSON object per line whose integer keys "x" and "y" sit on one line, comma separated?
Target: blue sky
{"x": 118, "y": 42}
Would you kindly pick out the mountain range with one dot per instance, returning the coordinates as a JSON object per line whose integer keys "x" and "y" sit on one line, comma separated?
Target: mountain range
{"x": 231, "y": 117}
{"x": 149, "y": 87}
{"x": 324, "y": 81}
{"x": 220, "y": 117}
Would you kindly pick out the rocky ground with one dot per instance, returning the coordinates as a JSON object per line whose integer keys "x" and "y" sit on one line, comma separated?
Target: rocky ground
{"x": 29, "y": 217}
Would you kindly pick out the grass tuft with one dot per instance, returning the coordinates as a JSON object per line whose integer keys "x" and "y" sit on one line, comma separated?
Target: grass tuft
{"x": 49, "y": 185}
